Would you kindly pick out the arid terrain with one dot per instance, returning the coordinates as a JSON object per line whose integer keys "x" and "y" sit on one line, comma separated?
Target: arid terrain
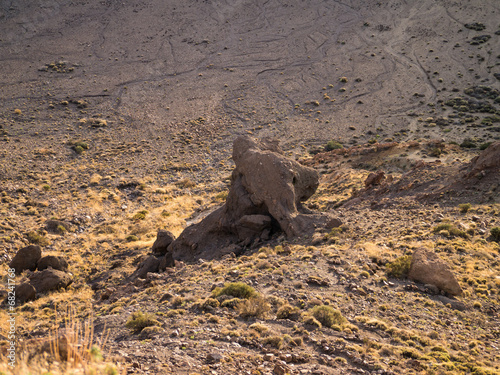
{"x": 117, "y": 119}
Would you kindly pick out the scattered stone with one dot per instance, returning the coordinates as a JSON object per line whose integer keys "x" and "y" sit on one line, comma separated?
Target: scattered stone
{"x": 426, "y": 267}
{"x": 163, "y": 240}
{"x": 266, "y": 188}
{"x": 50, "y": 279}
{"x": 25, "y": 292}
{"x": 26, "y": 258}
{"x": 55, "y": 262}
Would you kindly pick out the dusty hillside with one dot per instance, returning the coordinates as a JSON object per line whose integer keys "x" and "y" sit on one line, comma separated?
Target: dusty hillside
{"x": 117, "y": 119}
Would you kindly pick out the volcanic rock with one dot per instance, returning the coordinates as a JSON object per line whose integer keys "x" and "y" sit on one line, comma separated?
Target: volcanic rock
{"x": 266, "y": 194}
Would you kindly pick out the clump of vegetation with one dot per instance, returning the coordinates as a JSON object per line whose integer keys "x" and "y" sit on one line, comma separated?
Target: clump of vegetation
{"x": 254, "y": 307}
{"x": 468, "y": 143}
{"x": 141, "y": 215}
{"x": 274, "y": 341}
{"x": 288, "y": 312}
{"x": 333, "y": 145}
{"x": 400, "y": 267}
{"x": 132, "y": 238}
{"x": 328, "y": 316}
{"x": 185, "y": 183}
{"x": 310, "y": 320}
{"x": 37, "y": 238}
{"x": 464, "y": 207}
{"x": 139, "y": 320}
{"x": 79, "y": 147}
{"x": 449, "y": 230}
{"x": 495, "y": 234}
{"x": 484, "y": 146}
{"x": 237, "y": 290}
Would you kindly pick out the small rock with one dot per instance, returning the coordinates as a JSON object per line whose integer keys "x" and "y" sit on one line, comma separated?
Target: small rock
{"x": 268, "y": 357}
{"x": 214, "y": 358}
{"x": 25, "y": 292}
{"x": 26, "y": 258}
{"x": 57, "y": 226}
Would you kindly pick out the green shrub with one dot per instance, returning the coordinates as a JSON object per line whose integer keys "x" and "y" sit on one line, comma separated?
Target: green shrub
{"x": 399, "y": 267}
{"x": 450, "y": 230}
{"x": 328, "y": 316}
{"x": 231, "y": 303}
{"x": 495, "y": 234}
{"x": 484, "y": 146}
{"x": 141, "y": 215}
{"x": 139, "y": 320}
{"x": 333, "y": 145}
{"x": 464, "y": 207}
{"x": 238, "y": 290}
{"x": 274, "y": 341}
{"x": 37, "y": 238}
{"x": 468, "y": 143}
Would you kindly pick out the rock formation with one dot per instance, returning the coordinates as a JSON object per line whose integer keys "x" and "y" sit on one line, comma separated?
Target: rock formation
{"x": 488, "y": 160}
{"x": 266, "y": 195}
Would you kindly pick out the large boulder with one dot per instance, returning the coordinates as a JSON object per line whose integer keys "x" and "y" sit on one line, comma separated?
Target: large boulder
{"x": 50, "y": 279}
{"x": 488, "y": 160}
{"x": 266, "y": 195}
{"x": 426, "y": 267}
{"x": 26, "y": 258}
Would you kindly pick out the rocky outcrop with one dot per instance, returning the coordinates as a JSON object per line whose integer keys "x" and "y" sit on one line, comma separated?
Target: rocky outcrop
{"x": 375, "y": 178}
{"x": 266, "y": 195}
{"x": 51, "y": 274}
{"x": 488, "y": 160}
{"x": 426, "y": 267}
{"x": 26, "y": 258}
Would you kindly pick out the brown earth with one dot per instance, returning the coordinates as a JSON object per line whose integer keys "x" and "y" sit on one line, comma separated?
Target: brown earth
{"x": 117, "y": 119}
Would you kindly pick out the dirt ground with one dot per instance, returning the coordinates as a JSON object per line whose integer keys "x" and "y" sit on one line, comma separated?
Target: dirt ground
{"x": 110, "y": 108}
